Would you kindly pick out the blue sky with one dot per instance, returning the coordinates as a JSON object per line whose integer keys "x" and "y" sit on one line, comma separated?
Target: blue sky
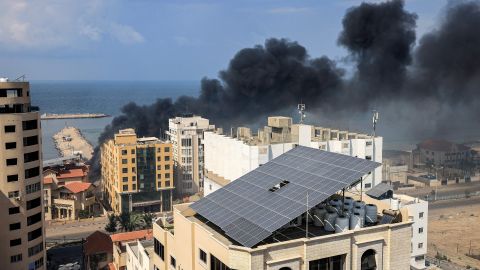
{"x": 164, "y": 40}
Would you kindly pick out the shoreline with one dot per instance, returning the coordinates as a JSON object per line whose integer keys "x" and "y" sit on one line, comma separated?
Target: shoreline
{"x": 70, "y": 140}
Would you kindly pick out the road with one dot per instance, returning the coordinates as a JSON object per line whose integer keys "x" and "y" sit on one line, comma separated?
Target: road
{"x": 74, "y": 230}
{"x": 452, "y": 203}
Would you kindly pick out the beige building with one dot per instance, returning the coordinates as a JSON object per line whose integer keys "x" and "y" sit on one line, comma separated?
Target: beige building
{"x": 186, "y": 135}
{"x": 22, "y": 231}
{"x": 244, "y": 225}
{"x": 137, "y": 173}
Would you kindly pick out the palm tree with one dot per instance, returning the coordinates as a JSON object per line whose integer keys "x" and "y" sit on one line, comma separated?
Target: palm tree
{"x": 135, "y": 221}
{"x": 124, "y": 220}
{"x": 147, "y": 219}
{"x": 112, "y": 224}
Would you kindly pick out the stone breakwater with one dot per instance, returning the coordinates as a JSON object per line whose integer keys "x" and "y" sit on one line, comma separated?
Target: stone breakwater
{"x": 70, "y": 140}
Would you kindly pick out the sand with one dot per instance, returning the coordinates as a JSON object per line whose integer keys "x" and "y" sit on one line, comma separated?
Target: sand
{"x": 455, "y": 227}
{"x": 77, "y": 143}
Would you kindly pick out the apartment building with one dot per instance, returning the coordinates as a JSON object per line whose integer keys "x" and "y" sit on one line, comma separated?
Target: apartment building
{"x": 229, "y": 156}
{"x": 140, "y": 255}
{"x": 293, "y": 212}
{"x": 186, "y": 136}
{"x": 22, "y": 228}
{"x": 439, "y": 153}
{"x": 137, "y": 173}
{"x": 417, "y": 211}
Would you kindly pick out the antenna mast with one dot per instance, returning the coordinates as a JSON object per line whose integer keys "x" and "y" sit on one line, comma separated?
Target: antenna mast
{"x": 301, "y": 111}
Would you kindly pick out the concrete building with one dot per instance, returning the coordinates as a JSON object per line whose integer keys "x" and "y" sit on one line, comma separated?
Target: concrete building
{"x": 203, "y": 244}
{"x": 417, "y": 211}
{"x": 67, "y": 190}
{"x": 22, "y": 223}
{"x": 140, "y": 255}
{"x": 186, "y": 136}
{"x": 97, "y": 251}
{"x": 229, "y": 156}
{"x": 443, "y": 153}
{"x": 120, "y": 242}
{"x": 137, "y": 173}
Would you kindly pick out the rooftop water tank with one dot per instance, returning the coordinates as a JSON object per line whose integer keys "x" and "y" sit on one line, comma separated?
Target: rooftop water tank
{"x": 349, "y": 200}
{"x": 341, "y": 224}
{"x": 319, "y": 217}
{"x": 371, "y": 213}
{"x": 394, "y": 204}
{"x": 359, "y": 203}
{"x": 348, "y": 206}
{"x": 355, "y": 221}
{"x": 330, "y": 221}
{"x": 361, "y": 212}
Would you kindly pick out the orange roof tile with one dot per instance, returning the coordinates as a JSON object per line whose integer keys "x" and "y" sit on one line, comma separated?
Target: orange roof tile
{"x": 130, "y": 236}
{"x": 98, "y": 242}
{"x": 47, "y": 180}
{"x": 71, "y": 173}
{"x": 77, "y": 187}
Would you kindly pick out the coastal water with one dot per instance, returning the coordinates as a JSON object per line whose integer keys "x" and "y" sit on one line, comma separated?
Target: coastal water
{"x": 106, "y": 97}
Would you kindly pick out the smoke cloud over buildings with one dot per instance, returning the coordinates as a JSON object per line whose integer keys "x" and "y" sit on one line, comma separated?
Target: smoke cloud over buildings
{"x": 414, "y": 82}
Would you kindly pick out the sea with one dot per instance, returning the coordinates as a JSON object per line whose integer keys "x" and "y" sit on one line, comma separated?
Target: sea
{"x": 107, "y": 97}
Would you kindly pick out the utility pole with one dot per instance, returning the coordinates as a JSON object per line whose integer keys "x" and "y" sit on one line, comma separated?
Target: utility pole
{"x": 374, "y": 123}
{"x": 306, "y": 220}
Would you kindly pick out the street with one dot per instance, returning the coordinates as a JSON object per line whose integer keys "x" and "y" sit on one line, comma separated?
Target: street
{"x": 74, "y": 230}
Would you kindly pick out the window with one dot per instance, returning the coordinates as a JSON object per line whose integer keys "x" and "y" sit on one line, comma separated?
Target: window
{"x": 133, "y": 160}
{"x": 124, "y": 170}
{"x": 134, "y": 186}
{"x": 159, "y": 248}
{"x": 12, "y": 178}
{"x": 11, "y": 161}
{"x": 167, "y": 167}
{"x": 420, "y": 245}
{"x": 9, "y": 129}
{"x": 15, "y": 226}
{"x": 35, "y": 234}
{"x": 419, "y": 258}
{"x": 29, "y": 157}
{"x": 167, "y": 158}
{"x": 420, "y": 230}
{"x": 32, "y": 140}
{"x": 186, "y": 142}
{"x": 167, "y": 183}
{"x": 132, "y": 151}
{"x": 35, "y": 249}
{"x": 159, "y": 150}
{"x": 16, "y": 258}
{"x": 36, "y": 265}
{"x": 368, "y": 157}
{"x": 32, "y": 188}
{"x": 125, "y": 179}
{"x": 159, "y": 176}
{"x": 331, "y": 263}
{"x": 29, "y": 125}
{"x": 124, "y": 152}
{"x": 134, "y": 178}
{"x": 173, "y": 262}
{"x": 133, "y": 169}
{"x": 420, "y": 215}
{"x": 124, "y": 161}
{"x": 15, "y": 242}
{"x": 13, "y": 210}
{"x": 125, "y": 187}
{"x": 167, "y": 149}
{"x": 368, "y": 143}
{"x": 13, "y": 194}
{"x": 203, "y": 256}
{"x": 159, "y": 158}
{"x": 216, "y": 264}
{"x": 368, "y": 261}
{"x": 34, "y": 219}
{"x": 167, "y": 175}
{"x": 33, "y": 172}
{"x": 10, "y": 145}
{"x": 368, "y": 185}
{"x": 33, "y": 203}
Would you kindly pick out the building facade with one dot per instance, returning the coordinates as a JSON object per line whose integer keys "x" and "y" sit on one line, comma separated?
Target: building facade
{"x": 137, "y": 173}
{"x": 186, "y": 136}
{"x": 228, "y": 157}
{"x": 22, "y": 219}
{"x": 443, "y": 153}
{"x": 140, "y": 255}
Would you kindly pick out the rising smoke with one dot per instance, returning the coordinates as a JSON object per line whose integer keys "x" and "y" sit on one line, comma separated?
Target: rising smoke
{"x": 426, "y": 83}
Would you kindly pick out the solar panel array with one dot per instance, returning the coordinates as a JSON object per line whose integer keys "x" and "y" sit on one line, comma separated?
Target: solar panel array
{"x": 248, "y": 212}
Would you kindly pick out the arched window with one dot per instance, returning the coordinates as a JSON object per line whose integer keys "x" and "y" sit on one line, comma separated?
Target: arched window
{"x": 368, "y": 260}
{"x": 285, "y": 268}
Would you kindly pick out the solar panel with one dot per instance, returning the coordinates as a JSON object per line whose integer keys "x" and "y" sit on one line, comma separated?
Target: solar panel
{"x": 260, "y": 202}
{"x": 387, "y": 219}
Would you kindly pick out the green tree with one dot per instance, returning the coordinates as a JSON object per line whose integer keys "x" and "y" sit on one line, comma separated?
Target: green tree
{"x": 135, "y": 221}
{"x": 124, "y": 221}
{"x": 112, "y": 224}
{"x": 147, "y": 219}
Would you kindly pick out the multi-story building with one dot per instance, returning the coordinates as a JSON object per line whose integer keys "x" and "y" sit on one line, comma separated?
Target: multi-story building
{"x": 140, "y": 255}
{"x": 288, "y": 215}
{"x": 443, "y": 153}
{"x": 22, "y": 231}
{"x": 137, "y": 173}
{"x": 186, "y": 135}
{"x": 228, "y": 157}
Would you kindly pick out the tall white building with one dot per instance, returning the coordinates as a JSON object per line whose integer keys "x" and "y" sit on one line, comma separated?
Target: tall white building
{"x": 227, "y": 157}
{"x": 186, "y": 135}
{"x": 139, "y": 255}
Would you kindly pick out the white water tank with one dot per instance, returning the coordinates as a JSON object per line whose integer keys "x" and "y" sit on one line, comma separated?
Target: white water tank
{"x": 361, "y": 212}
{"x": 394, "y": 204}
{"x": 319, "y": 216}
{"x": 346, "y": 213}
{"x": 330, "y": 221}
{"x": 341, "y": 224}
{"x": 349, "y": 200}
{"x": 371, "y": 213}
{"x": 335, "y": 203}
{"x": 355, "y": 221}
{"x": 348, "y": 206}
{"x": 359, "y": 203}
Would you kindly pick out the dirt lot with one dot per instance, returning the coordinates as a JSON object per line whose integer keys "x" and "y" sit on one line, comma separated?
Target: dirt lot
{"x": 454, "y": 230}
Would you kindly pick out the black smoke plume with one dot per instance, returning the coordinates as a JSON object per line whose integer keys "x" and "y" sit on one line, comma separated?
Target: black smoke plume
{"x": 421, "y": 84}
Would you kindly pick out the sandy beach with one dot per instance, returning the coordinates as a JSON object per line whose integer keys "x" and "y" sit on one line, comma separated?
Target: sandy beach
{"x": 70, "y": 139}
